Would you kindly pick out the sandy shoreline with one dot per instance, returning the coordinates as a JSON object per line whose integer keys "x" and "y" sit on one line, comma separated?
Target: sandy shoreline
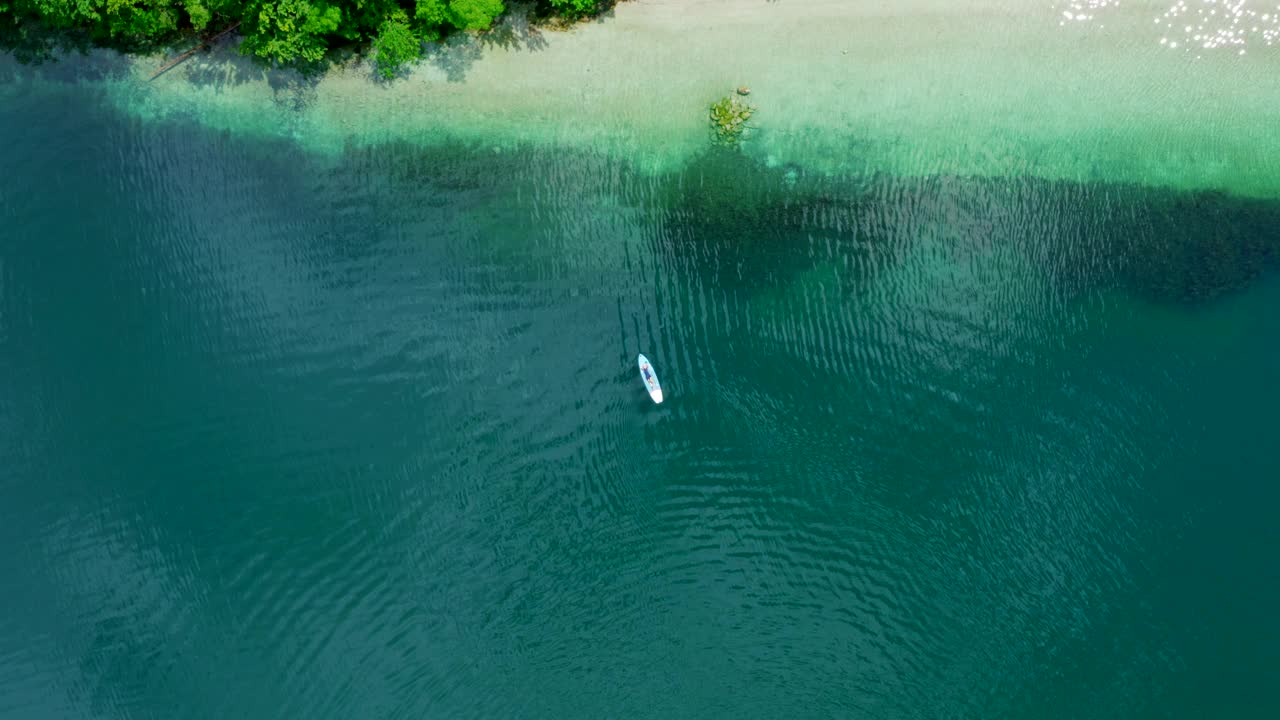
{"x": 915, "y": 87}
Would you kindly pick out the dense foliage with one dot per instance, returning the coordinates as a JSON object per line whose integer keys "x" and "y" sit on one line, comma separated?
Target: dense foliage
{"x": 396, "y": 44}
{"x": 280, "y": 31}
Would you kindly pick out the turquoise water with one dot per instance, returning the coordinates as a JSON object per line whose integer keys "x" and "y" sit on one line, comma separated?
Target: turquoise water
{"x": 359, "y": 434}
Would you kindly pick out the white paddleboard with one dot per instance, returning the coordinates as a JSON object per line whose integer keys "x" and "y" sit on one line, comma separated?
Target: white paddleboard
{"x": 650, "y": 379}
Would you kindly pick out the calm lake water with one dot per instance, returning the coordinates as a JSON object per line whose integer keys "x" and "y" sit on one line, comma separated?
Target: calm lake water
{"x": 361, "y": 436}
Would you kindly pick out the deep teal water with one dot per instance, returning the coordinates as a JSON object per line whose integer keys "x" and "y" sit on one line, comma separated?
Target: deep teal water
{"x": 361, "y": 437}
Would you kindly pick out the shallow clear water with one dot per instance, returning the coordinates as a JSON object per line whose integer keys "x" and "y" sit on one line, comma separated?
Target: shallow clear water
{"x": 359, "y": 434}
{"x": 993, "y": 88}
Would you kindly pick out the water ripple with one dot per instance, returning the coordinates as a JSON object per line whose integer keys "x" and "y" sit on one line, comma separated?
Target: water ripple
{"x": 361, "y": 435}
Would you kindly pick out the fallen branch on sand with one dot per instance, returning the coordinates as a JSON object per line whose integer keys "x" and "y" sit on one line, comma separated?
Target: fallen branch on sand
{"x": 203, "y": 44}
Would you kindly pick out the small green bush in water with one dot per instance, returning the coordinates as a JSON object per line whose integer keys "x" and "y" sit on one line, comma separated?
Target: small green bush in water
{"x": 729, "y": 117}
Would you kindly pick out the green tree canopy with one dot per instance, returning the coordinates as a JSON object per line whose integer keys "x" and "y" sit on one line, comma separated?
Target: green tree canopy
{"x": 474, "y": 14}
{"x": 395, "y": 45}
{"x": 278, "y": 31}
{"x": 291, "y": 30}
{"x": 576, "y": 8}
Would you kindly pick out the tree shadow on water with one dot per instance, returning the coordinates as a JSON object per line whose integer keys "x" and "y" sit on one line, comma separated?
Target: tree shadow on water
{"x": 456, "y": 55}
{"x": 225, "y": 68}
{"x": 221, "y": 67}
{"x": 293, "y": 90}
{"x": 62, "y": 55}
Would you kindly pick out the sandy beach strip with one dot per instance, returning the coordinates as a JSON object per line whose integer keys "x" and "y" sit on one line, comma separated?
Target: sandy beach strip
{"x": 913, "y": 87}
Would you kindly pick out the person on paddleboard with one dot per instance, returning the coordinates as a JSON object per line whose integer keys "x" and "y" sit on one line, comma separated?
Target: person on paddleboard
{"x": 648, "y": 377}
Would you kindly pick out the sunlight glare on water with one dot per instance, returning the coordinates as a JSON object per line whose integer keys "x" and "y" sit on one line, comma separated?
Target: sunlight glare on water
{"x": 1198, "y": 25}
